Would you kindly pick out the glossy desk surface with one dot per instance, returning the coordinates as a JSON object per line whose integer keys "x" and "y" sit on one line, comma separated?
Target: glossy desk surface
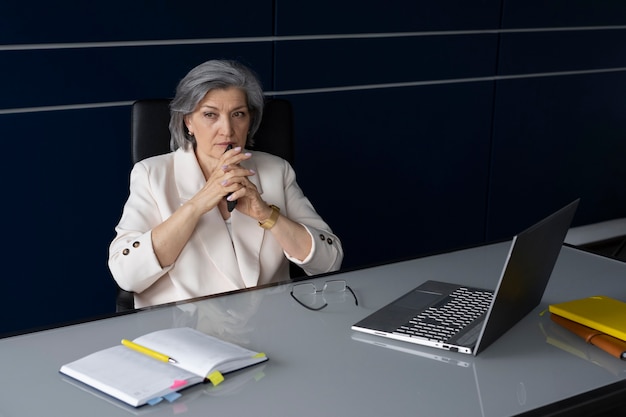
{"x": 319, "y": 367}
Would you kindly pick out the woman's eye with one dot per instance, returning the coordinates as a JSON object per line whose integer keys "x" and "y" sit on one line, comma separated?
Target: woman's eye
{"x": 239, "y": 114}
{"x": 209, "y": 115}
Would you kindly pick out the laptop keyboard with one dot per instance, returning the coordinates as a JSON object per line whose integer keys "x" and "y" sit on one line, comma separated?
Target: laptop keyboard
{"x": 448, "y": 317}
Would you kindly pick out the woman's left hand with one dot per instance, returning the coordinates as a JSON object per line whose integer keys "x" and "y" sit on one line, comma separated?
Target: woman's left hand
{"x": 249, "y": 201}
{"x": 293, "y": 237}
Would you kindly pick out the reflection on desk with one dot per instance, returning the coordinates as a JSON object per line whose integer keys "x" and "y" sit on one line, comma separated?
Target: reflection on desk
{"x": 232, "y": 386}
{"x": 567, "y": 341}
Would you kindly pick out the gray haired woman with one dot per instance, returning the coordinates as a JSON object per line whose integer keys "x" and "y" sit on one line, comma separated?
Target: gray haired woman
{"x": 177, "y": 238}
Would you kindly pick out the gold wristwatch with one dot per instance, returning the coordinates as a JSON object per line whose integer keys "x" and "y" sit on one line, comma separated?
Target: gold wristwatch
{"x": 269, "y": 223}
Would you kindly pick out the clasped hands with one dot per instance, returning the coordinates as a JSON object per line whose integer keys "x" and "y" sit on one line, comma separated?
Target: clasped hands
{"x": 230, "y": 179}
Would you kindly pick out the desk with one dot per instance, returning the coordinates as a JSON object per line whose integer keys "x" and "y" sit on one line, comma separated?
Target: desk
{"x": 319, "y": 367}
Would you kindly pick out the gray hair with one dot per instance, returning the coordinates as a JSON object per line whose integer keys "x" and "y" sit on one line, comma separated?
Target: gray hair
{"x": 214, "y": 74}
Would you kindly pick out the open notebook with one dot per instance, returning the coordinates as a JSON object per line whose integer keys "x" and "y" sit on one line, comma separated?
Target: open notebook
{"x": 156, "y": 366}
{"x": 464, "y": 319}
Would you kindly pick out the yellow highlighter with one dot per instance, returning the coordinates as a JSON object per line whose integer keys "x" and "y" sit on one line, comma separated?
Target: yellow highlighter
{"x": 149, "y": 352}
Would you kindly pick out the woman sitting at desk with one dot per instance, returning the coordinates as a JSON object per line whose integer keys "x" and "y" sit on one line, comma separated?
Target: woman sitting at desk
{"x": 178, "y": 238}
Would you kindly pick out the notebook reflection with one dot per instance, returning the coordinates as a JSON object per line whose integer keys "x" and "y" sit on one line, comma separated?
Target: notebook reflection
{"x": 566, "y": 341}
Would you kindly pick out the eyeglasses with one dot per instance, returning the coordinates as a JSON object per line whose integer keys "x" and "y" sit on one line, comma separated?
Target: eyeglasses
{"x": 335, "y": 286}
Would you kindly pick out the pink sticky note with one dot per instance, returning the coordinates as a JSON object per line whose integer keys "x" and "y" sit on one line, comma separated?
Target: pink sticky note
{"x": 178, "y": 383}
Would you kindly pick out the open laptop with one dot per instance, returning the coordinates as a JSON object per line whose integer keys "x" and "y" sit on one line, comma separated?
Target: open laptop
{"x": 466, "y": 319}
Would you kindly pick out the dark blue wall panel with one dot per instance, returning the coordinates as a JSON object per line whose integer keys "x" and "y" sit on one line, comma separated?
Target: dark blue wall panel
{"x": 562, "y": 13}
{"x": 120, "y": 20}
{"x": 74, "y": 76}
{"x": 65, "y": 178}
{"x": 397, "y": 172}
{"x": 365, "y": 16}
{"x": 337, "y": 63}
{"x": 557, "y": 139}
{"x": 561, "y": 134}
{"x": 540, "y": 52}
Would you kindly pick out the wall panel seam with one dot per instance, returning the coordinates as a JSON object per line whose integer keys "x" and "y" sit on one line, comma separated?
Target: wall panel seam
{"x": 174, "y": 42}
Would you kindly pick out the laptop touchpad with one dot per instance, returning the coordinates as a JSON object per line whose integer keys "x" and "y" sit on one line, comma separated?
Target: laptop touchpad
{"x": 399, "y": 312}
{"x": 419, "y": 299}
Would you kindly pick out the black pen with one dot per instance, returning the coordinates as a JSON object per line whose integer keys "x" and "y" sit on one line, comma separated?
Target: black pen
{"x": 230, "y": 204}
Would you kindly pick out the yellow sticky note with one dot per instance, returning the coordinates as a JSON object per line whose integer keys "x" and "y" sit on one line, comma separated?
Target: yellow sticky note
{"x": 215, "y": 377}
{"x": 259, "y": 355}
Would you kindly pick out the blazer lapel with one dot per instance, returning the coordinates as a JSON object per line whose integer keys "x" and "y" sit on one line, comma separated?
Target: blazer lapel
{"x": 211, "y": 229}
{"x": 248, "y": 237}
{"x": 187, "y": 174}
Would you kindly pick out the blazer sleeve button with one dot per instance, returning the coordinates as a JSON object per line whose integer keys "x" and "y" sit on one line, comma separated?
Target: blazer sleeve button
{"x": 125, "y": 251}
{"x": 330, "y": 241}
{"x": 322, "y": 237}
{"x": 136, "y": 244}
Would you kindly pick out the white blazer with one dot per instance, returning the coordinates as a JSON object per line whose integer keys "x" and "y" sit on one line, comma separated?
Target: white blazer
{"x": 211, "y": 262}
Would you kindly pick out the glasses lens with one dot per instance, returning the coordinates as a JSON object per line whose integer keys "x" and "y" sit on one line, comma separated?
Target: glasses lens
{"x": 303, "y": 289}
{"x": 335, "y": 286}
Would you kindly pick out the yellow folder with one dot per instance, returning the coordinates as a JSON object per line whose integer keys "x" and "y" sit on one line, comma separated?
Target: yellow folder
{"x": 602, "y": 313}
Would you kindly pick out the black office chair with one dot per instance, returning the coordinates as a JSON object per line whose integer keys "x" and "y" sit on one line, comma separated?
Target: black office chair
{"x": 150, "y": 136}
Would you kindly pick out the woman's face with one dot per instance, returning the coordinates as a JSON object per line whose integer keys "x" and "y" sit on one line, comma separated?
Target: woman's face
{"x": 221, "y": 118}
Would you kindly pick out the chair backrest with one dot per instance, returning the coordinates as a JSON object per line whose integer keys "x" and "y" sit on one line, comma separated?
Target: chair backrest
{"x": 150, "y": 136}
{"x": 150, "y": 133}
